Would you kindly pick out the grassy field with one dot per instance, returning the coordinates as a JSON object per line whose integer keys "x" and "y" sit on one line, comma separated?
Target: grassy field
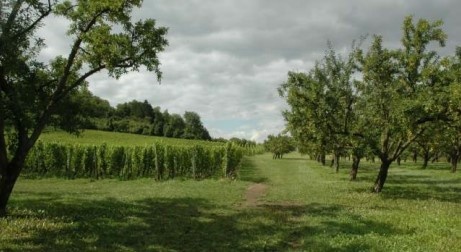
{"x": 304, "y": 207}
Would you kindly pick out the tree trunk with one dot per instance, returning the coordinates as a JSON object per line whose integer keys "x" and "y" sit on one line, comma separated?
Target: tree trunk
{"x": 398, "y": 161}
{"x": 382, "y": 176}
{"x": 10, "y": 169}
{"x": 322, "y": 159}
{"x": 454, "y": 163}
{"x": 355, "y": 167}
{"x": 415, "y": 157}
{"x": 8, "y": 179}
{"x": 336, "y": 162}
{"x": 426, "y": 158}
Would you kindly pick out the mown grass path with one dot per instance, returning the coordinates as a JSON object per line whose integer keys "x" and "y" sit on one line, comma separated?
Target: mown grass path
{"x": 299, "y": 206}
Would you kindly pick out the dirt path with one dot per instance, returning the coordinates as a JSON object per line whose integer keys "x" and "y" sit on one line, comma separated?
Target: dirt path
{"x": 253, "y": 193}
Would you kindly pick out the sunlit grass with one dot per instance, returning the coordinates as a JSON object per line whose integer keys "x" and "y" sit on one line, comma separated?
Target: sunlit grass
{"x": 308, "y": 207}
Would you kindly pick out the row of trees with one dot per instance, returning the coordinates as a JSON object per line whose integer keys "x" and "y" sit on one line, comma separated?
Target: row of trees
{"x": 137, "y": 117}
{"x": 380, "y": 101}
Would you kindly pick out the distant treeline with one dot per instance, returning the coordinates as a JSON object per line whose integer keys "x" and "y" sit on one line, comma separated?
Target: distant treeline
{"x": 139, "y": 118}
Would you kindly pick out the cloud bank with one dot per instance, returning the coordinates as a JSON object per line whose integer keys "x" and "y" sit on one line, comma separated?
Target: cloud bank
{"x": 226, "y": 58}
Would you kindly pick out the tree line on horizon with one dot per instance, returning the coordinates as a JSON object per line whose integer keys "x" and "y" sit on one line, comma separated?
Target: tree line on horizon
{"x": 136, "y": 117}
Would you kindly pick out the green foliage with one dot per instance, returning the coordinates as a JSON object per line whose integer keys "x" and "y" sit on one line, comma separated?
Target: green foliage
{"x": 321, "y": 115}
{"x": 395, "y": 87}
{"x": 279, "y": 145}
{"x": 400, "y": 95}
{"x": 194, "y": 128}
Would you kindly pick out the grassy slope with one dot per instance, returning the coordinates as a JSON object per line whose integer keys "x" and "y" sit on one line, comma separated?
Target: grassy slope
{"x": 307, "y": 207}
{"x": 112, "y": 138}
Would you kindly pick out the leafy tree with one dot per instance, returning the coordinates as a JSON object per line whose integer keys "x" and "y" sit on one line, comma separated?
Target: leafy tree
{"x": 194, "y": 128}
{"x": 167, "y": 131}
{"x": 243, "y": 142}
{"x": 321, "y": 105}
{"x": 279, "y": 145}
{"x": 135, "y": 109}
{"x": 358, "y": 150}
{"x": 83, "y": 106}
{"x": 176, "y": 126}
{"x": 92, "y": 106}
{"x": 158, "y": 122}
{"x": 450, "y": 131}
{"x": 428, "y": 144}
{"x": 394, "y": 102}
{"x": 103, "y": 38}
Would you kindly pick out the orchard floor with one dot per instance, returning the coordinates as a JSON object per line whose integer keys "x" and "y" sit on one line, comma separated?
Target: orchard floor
{"x": 292, "y": 204}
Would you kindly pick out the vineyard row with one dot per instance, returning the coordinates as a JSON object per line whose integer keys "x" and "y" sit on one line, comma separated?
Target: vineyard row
{"x": 159, "y": 161}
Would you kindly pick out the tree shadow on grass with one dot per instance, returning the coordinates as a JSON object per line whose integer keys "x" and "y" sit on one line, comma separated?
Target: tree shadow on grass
{"x": 189, "y": 224}
{"x": 296, "y": 158}
{"x": 408, "y": 192}
{"x": 425, "y": 180}
{"x": 420, "y": 187}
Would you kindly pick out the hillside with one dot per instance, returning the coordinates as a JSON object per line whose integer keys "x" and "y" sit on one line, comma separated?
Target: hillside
{"x": 114, "y": 138}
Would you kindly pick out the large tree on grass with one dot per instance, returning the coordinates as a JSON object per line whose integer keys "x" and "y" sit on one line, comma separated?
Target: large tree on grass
{"x": 279, "y": 145}
{"x": 397, "y": 92}
{"x": 321, "y": 105}
{"x": 103, "y": 37}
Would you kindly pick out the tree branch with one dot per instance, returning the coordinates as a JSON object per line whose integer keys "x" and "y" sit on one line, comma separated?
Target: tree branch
{"x": 13, "y": 14}
{"x": 35, "y": 23}
{"x": 42, "y": 121}
{"x": 73, "y": 55}
{"x": 79, "y": 81}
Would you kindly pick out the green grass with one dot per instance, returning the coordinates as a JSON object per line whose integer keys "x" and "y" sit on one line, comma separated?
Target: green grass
{"x": 307, "y": 208}
{"x": 115, "y": 138}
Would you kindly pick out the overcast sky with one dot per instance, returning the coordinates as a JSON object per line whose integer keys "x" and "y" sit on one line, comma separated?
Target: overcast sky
{"x": 226, "y": 58}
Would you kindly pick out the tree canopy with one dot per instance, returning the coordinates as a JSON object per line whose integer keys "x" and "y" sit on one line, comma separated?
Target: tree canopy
{"x": 103, "y": 37}
{"x": 377, "y": 101}
{"x": 279, "y": 145}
